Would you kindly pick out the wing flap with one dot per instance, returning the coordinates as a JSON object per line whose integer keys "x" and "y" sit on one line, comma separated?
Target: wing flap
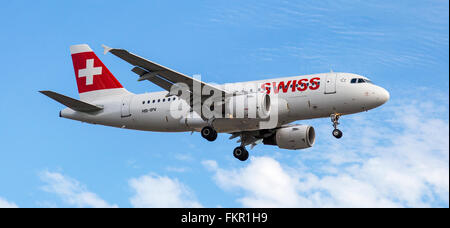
{"x": 152, "y": 77}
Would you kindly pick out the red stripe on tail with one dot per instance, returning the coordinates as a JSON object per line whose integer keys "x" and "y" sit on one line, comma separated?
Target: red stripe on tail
{"x": 91, "y": 74}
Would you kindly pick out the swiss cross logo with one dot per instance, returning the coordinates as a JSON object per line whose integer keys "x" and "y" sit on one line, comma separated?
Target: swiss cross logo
{"x": 92, "y": 74}
{"x": 89, "y": 72}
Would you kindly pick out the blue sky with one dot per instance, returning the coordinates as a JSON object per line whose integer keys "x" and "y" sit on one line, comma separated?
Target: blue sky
{"x": 393, "y": 156}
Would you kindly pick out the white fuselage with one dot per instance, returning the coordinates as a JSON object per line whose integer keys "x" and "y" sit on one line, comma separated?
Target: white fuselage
{"x": 334, "y": 93}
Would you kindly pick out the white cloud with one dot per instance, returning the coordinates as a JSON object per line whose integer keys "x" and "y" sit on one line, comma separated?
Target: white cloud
{"x": 184, "y": 156}
{"x": 346, "y": 33}
{"x": 402, "y": 164}
{"x": 265, "y": 181}
{"x": 6, "y": 204}
{"x": 177, "y": 169}
{"x": 158, "y": 191}
{"x": 71, "y": 191}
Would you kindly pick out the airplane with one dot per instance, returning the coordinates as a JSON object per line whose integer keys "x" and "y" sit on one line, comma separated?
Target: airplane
{"x": 261, "y": 111}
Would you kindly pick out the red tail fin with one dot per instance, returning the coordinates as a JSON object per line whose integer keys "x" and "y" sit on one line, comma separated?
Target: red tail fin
{"x": 90, "y": 72}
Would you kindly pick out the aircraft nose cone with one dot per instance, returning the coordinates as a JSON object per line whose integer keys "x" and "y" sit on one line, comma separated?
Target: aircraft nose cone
{"x": 384, "y": 95}
{"x": 381, "y": 96}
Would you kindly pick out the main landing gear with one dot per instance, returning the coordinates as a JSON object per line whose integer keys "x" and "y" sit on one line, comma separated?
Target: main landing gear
{"x": 240, "y": 153}
{"x": 209, "y": 133}
{"x": 335, "y": 119}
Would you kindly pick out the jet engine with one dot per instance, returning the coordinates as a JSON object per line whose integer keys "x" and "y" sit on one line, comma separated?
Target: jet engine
{"x": 255, "y": 105}
{"x": 292, "y": 137}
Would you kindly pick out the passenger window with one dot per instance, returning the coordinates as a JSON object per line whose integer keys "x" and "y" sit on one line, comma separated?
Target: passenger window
{"x": 168, "y": 99}
{"x": 153, "y": 101}
{"x": 361, "y": 80}
{"x": 148, "y": 102}
{"x": 164, "y": 100}
{"x": 143, "y": 102}
{"x": 353, "y": 80}
{"x": 159, "y": 100}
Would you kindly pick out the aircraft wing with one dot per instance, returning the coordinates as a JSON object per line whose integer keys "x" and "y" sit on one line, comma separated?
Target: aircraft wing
{"x": 161, "y": 75}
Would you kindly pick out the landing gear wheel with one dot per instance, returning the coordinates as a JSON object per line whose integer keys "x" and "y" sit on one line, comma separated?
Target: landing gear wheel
{"x": 335, "y": 119}
{"x": 240, "y": 153}
{"x": 337, "y": 133}
{"x": 209, "y": 133}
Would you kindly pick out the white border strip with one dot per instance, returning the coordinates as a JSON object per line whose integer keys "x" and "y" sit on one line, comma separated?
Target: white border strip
{"x": 80, "y": 48}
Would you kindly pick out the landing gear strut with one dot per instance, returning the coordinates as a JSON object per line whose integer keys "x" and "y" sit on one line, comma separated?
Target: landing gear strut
{"x": 335, "y": 119}
{"x": 209, "y": 133}
{"x": 240, "y": 153}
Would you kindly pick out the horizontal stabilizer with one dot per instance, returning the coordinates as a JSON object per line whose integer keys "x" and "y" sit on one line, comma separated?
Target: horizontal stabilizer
{"x": 71, "y": 103}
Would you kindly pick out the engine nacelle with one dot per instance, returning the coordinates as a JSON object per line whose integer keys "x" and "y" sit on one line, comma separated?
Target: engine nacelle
{"x": 255, "y": 105}
{"x": 293, "y": 137}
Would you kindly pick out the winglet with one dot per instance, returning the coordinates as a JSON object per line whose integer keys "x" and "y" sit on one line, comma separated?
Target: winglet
{"x": 106, "y": 49}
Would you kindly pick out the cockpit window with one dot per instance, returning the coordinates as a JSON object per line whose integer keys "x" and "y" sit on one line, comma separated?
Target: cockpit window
{"x": 360, "y": 80}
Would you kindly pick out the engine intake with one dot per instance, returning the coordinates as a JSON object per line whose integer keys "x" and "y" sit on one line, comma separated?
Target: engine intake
{"x": 256, "y": 105}
{"x": 292, "y": 137}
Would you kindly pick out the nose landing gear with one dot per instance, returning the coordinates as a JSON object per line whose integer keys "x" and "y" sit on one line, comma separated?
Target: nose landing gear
{"x": 335, "y": 119}
{"x": 337, "y": 133}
